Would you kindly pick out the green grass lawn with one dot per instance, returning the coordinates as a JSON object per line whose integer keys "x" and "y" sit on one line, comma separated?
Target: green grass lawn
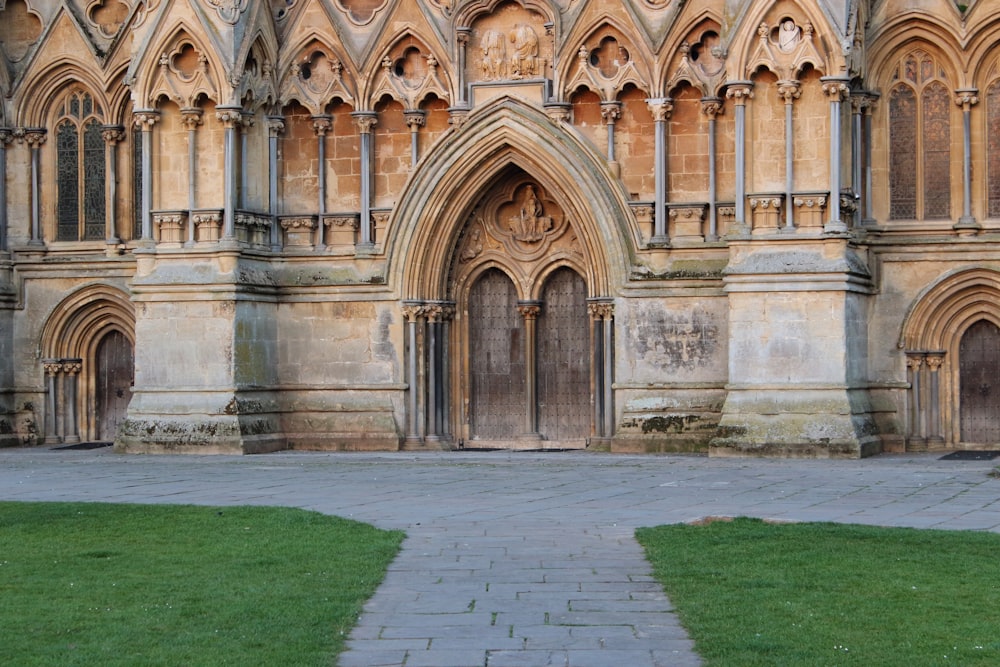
{"x": 101, "y": 584}
{"x": 754, "y": 593}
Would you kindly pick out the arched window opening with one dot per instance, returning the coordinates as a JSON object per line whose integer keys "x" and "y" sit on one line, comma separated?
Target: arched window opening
{"x": 919, "y": 141}
{"x": 81, "y": 170}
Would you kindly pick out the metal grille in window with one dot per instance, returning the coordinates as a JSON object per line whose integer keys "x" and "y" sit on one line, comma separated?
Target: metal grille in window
{"x": 993, "y": 148}
{"x": 937, "y": 152}
{"x": 68, "y": 184}
{"x": 94, "y": 205}
{"x": 902, "y": 154}
{"x": 136, "y": 183}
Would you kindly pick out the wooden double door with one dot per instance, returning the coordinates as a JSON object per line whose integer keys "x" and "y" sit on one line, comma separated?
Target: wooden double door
{"x": 529, "y": 367}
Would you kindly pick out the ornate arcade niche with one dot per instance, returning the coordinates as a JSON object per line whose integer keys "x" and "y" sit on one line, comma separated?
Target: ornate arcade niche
{"x": 512, "y": 44}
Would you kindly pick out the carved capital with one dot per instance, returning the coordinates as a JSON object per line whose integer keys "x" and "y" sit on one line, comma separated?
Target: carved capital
{"x": 52, "y": 366}
{"x": 298, "y": 223}
{"x": 415, "y": 119}
{"x": 601, "y": 310}
{"x": 341, "y": 221}
{"x": 275, "y": 125}
{"x": 462, "y": 35}
{"x": 247, "y": 120}
{"x": 934, "y": 361}
{"x": 191, "y": 118}
{"x": 765, "y": 203}
{"x": 712, "y": 107}
{"x": 6, "y": 136}
{"x": 145, "y": 119}
{"x": 230, "y": 117}
{"x": 112, "y": 134}
{"x": 835, "y": 88}
{"x": 660, "y": 108}
{"x": 72, "y": 367}
{"x": 33, "y": 136}
{"x": 529, "y": 310}
{"x": 739, "y": 92}
{"x": 365, "y": 120}
{"x": 914, "y": 361}
{"x": 967, "y": 98}
{"x": 412, "y": 311}
{"x": 322, "y": 124}
{"x": 611, "y": 111}
{"x": 790, "y": 90}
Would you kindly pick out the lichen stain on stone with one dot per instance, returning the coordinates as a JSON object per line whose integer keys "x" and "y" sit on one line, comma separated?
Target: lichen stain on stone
{"x": 664, "y": 424}
{"x": 676, "y": 340}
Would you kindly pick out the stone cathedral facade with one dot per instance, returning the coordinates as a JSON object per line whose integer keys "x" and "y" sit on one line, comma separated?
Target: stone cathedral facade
{"x": 734, "y": 226}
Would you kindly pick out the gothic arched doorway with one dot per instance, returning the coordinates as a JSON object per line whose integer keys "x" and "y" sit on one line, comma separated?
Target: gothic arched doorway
{"x": 979, "y": 382}
{"x": 113, "y": 379}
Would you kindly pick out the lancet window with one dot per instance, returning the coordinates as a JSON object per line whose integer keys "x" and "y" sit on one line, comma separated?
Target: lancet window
{"x": 920, "y": 107}
{"x": 993, "y": 149}
{"x": 81, "y": 167}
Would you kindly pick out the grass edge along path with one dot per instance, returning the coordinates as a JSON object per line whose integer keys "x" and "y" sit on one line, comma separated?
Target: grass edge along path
{"x": 756, "y": 593}
{"x": 109, "y": 584}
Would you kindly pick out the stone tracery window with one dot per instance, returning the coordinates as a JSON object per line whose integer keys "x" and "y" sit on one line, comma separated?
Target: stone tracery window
{"x": 80, "y": 170}
{"x": 919, "y": 140}
{"x": 993, "y": 149}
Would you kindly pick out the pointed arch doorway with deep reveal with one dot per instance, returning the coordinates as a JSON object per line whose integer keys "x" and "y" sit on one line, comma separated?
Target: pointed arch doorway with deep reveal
{"x": 529, "y": 372}
{"x": 979, "y": 384}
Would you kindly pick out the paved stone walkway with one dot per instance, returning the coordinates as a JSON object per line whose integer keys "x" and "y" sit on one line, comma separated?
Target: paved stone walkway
{"x": 523, "y": 559}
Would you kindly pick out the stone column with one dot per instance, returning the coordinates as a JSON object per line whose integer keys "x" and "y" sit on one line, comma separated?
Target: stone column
{"x": 712, "y": 107}
{"x": 412, "y": 312}
{"x": 934, "y": 361}
{"x": 529, "y": 311}
{"x": 145, "y": 119}
{"x": 867, "y": 214}
{"x": 835, "y": 89}
{"x": 434, "y": 313}
{"x": 230, "y": 117}
{"x": 275, "y": 126}
{"x": 366, "y": 121}
{"x": 247, "y": 121}
{"x": 321, "y": 125}
{"x": 858, "y": 102}
{"x": 35, "y": 137}
{"x": 462, "y": 38}
{"x": 966, "y": 98}
{"x": 915, "y": 404}
{"x": 611, "y": 112}
{"x": 660, "y": 108}
{"x": 6, "y": 136}
{"x": 789, "y": 90}
{"x": 71, "y": 370}
{"x": 740, "y": 92}
{"x": 415, "y": 119}
{"x": 191, "y": 118}
{"x": 53, "y": 367}
{"x": 113, "y": 135}
{"x": 602, "y": 315}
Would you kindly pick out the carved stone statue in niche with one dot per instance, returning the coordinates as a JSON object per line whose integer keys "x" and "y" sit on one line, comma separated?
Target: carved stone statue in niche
{"x": 524, "y": 55}
{"x": 494, "y": 63}
{"x": 531, "y": 223}
{"x": 789, "y": 35}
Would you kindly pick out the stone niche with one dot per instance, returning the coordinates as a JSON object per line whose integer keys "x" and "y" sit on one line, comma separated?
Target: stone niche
{"x": 509, "y": 52}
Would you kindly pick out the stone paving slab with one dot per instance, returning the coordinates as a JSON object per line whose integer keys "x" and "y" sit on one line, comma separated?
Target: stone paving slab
{"x": 519, "y": 558}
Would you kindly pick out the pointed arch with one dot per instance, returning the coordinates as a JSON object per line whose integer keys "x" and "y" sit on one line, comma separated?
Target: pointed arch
{"x": 82, "y": 318}
{"x": 47, "y": 86}
{"x": 698, "y": 58}
{"x": 437, "y": 201}
{"x": 404, "y": 51}
{"x": 817, "y": 45}
{"x": 949, "y": 306}
{"x": 296, "y": 71}
{"x": 583, "y": 72}
{"x": 206, "y": 81}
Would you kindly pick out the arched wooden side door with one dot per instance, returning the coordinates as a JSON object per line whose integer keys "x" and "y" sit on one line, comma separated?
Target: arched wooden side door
{"x": 496, "y": 359}
{"x": 113, "y": 383}
{"x": 979, "y": 382}
{"x": 564, "y": 401}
